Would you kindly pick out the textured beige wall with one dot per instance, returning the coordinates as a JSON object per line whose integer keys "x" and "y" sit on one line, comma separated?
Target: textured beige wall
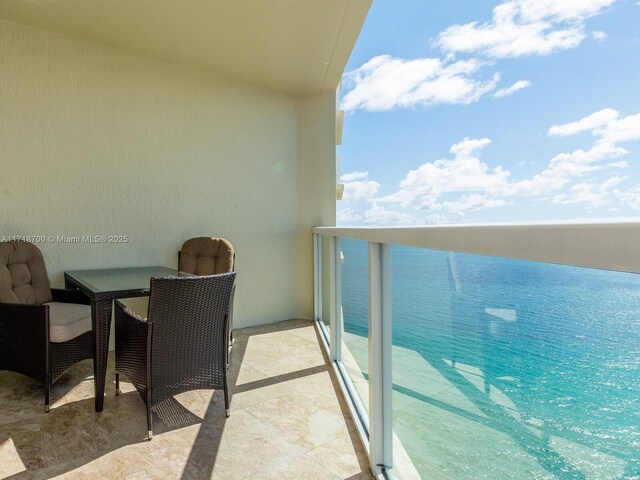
{"x": 95, "y": 140}
{"x": 317, "y": 184}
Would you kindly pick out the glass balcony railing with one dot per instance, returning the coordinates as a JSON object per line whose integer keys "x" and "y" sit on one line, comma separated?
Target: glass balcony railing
{"x": 466, "y": 366}
{"x": 355, "y": 321}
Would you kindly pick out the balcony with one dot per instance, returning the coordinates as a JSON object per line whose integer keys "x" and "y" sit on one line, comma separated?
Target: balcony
{"x": 287, "y": 421}
{"x": 497, "y": 351}
{"x": 160, "y": 121}
{"x": 347, "y": 397}
{"x": 156, "y": 122}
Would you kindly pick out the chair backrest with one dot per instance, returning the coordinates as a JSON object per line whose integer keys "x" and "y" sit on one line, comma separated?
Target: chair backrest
{"x": 23, "y": 275}
{"x": 189, "y": 340}
{"x": 206, "y": 256}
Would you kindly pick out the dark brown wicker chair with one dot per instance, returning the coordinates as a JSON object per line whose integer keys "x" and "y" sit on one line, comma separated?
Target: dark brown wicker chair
{"x": 43, "y": 331}
{"x": 181, "y": 346}
{"x": 209, "y": 256}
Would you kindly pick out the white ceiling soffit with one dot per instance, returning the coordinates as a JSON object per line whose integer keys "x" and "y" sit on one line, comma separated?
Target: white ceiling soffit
{"x": 296, "y": 46}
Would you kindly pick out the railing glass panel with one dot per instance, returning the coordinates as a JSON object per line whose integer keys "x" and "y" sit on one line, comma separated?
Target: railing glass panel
{"x": 507, "y": 369}
{"x": 355, "y": 349}
{"x": 325, "y": 281}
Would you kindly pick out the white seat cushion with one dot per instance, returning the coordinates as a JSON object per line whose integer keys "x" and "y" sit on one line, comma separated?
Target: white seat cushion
{"x": 68, "y": 321}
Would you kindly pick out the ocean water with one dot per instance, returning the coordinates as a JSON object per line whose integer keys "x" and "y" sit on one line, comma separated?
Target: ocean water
{"x": 506, "y": 368}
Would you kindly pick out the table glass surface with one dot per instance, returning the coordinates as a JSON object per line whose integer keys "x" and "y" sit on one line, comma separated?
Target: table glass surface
{"x": 120, "y": 279}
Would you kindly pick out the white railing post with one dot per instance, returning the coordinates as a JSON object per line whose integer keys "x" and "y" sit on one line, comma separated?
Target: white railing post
{"x": 335, "y": 300}
{"x": 317, "y": 277}
{"x": 380, "y": 383}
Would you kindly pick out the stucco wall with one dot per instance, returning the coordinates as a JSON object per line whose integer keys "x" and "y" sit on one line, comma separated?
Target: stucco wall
{"x": 99, "y": 141}
{"x": 317, "y": 183}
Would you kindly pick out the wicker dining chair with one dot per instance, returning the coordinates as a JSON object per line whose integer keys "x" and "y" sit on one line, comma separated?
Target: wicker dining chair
{"x": 209, "y": 256}
{"x": 181, "y": 345}
{"x": 43, "y": 331}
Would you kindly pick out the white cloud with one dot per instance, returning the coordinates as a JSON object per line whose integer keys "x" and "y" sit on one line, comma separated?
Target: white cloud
{"x": 468, "y": 147}
{"x": 385, "y": 82}
{"x": 518, "y": 27}
{"x": 621, "y": 130}
{"x": 519, "y": 85}
{"x": 480, "y": 186}
{"x": 423, "y": 188}
{"x": 608, "y": 129}
{"x": 439, "y": 219}
{"x": 565, "y": 166}
{"x": 590, "y": 122}
{"x": 631, "y": 198}
{"x": 524, "y": 27}
{"x": 620, "y": 164}
{"x": 445, "y": 190}
{"x": 347, "y": 216}
{"x": 380, "y": 215}
{"x": 599, "y": 35}
{"x": 358, "y": 186}
{"x": 359, "y": 204}
{"x": 359, "y": 193}
{"x": 469, "y": 203}
{"x": 353, "y": 176}
{"x": 590, "y": 194}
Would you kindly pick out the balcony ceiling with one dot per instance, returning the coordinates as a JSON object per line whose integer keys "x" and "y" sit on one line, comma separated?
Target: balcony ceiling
{"x": 293, "y": 46}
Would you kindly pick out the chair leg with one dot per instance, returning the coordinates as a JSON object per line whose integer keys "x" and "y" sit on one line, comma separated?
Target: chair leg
{"x": 47, "y": 391}
{"x": 226, "y": 399}
{"x": 149, "y": 422}
{"x": 117, "y": 384}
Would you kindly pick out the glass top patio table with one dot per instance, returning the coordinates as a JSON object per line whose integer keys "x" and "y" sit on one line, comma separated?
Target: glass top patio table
{"x": 103, "y": 286}
{"x": 120, "y": 279}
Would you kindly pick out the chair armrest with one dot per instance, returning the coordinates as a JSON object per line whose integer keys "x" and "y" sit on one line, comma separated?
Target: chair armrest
{"x": 24, "y": 339}
{"x": 64, "y": 295}
{"x": 24, "y": 319}
{"x": 21, "y": 312}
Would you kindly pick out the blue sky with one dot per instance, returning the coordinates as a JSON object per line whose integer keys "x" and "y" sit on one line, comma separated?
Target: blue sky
{"x": 475, "y": 111}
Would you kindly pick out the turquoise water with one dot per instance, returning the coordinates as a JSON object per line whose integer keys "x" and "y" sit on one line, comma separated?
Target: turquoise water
{"x": 506, "y": 368}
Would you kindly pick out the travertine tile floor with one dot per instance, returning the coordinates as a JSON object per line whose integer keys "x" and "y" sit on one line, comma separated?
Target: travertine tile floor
{"x": 287, "y": 421}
